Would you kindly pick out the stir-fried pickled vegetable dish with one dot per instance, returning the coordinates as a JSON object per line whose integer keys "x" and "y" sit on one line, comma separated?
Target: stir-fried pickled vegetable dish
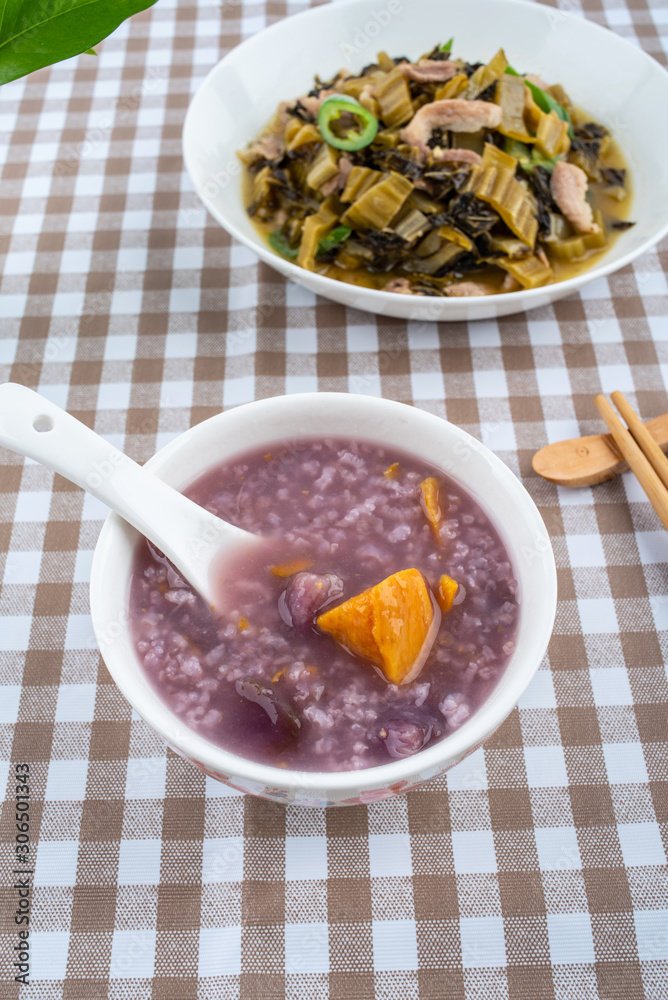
{"x": 437, "y": 177}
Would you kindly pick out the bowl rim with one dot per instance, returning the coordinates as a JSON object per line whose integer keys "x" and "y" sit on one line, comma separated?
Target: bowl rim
{"x": 433, "y": 759}
{"x": 321, "y": 283}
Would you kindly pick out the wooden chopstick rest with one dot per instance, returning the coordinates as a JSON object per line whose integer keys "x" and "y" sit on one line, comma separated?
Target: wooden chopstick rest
{"x": 645, "y": 474}
{"x": 646, "y": 442}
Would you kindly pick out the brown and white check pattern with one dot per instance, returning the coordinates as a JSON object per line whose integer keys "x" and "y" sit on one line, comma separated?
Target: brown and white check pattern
{"x": 537, "y": 868}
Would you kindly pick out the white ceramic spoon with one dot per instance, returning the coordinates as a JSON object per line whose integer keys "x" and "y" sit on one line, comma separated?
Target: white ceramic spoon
{"x": 191, "y": 537}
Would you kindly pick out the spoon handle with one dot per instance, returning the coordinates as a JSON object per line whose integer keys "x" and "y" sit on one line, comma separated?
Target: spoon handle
{"x": 188, "y": 534}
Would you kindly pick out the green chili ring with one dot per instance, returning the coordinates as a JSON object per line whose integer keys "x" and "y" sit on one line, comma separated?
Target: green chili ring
{"x": 332, "y": 108}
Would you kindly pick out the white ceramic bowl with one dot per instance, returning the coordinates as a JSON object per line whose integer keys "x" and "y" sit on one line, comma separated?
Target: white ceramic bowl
{"x": 334, "y": 414}
{"x": 616, "y": 82}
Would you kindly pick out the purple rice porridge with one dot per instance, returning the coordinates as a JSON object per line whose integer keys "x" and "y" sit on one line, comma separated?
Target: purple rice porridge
{"x": 260, "y": 679}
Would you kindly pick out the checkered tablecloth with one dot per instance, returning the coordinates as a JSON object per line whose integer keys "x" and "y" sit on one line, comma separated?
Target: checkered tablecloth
{"x": 537, "y": 868}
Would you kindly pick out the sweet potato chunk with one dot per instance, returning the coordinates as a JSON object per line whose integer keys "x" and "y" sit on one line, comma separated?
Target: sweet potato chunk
{"x": 392, "y": 624}
{"x": 292, "y": 567}
{"x": 431, "y": 506}
{"x": 446, "y": 593}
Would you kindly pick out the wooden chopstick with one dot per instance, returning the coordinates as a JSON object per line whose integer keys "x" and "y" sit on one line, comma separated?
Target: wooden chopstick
{"x": 646, "y": 442}
{"x": 645, "y": 474}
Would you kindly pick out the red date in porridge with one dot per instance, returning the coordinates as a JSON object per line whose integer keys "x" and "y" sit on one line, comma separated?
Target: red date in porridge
{"x": 376, "y": 619}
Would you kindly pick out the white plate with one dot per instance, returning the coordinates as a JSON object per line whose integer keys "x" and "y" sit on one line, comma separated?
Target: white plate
{"x": 618, "y": 84}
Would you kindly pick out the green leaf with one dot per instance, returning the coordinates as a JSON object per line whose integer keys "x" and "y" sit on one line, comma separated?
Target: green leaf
{"x": 447, "y": 47}
{"x": 547, "y": 103}
{"x": 336, "y": 236}
{"x": 278, "y": 242}
{"x": 538, "y": 160}
{"x": 90, "y": 52}
{"x": 528, "y": 158}
{"x": 518, "y": 149}
{"x": 37, "y": 33}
